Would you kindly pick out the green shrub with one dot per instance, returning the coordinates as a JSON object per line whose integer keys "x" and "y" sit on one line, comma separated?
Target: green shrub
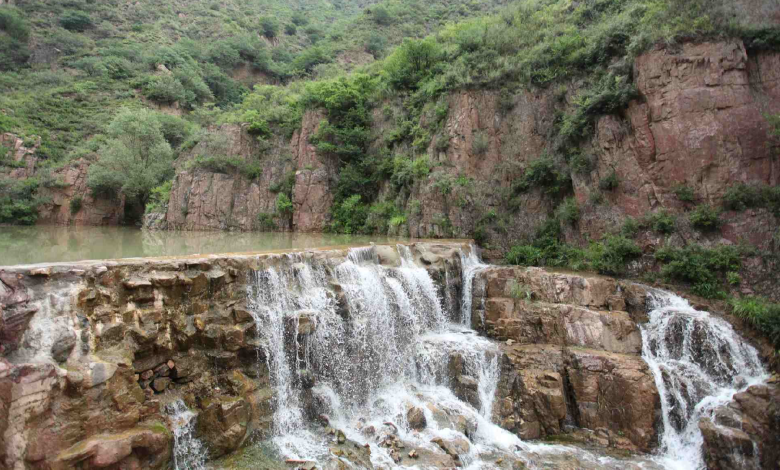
{"x": 543, "y": 173}
{"x": 742, "y": 196}
{"x": 381, "y": 16}
{"x": 269, "y": 27}
{"x": 19, "y": 201}
{"x": 159, "y": 197}
{"x": 75, "y": 204}
{"x": 412, "y": 62}
{"x": 661, "y": 222}
{"x": 761, "y": 313}
{"x": 630, "y": 227}
{"x": 265, "y": 222}
{"x": 376, "y": 45}
{"x": 568, "y": 211}
{"x": 164, "y": 89}
{"x": 442, "y": 143}
{"x": 349, "y": 216}
{"x": 699, "y": 266}
{"x": 481, "y": 143}
{"x": 705, "y": 218}
{"x": 299, "y": 19}
{"x": 733, "y": 278}
{"x": 610, "y": 182}
{"x": 684, "y": 193}
{"x": 612, "y": 254}
{"x": 580, "y": 163}
{"x": 284, "y": 205}
{"x": 524, "y": 255}
{"x": 13, "y": 43}
{"x": 290, "y": 29}
{"x": 227, "y": 165}
{"x": 74, "y": 20}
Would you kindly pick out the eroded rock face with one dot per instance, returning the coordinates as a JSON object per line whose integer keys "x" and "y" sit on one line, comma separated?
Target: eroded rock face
{"x": 571, "y": 356}
{"x": 752, "y": 416}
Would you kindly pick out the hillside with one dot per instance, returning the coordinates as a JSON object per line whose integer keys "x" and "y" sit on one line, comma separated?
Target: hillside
{"x": 622, "y": 136}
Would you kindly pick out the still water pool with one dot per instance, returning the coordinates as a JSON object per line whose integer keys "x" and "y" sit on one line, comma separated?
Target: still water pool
{"x": 44, "y": 244}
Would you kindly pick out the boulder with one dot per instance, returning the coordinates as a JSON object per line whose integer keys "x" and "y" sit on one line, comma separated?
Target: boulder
{"x": 223, "y": 423}
{"x": 416, "y": 418}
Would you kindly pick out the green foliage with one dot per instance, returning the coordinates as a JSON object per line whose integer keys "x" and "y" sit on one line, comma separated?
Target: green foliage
{"x": 75, "y": 204}
{"x": 164, "y": 89}
{"x": 376, "y": 45}
{"x": 159, "y": 197}
{"x": 269, "y": 27}
{"x": 705, "y": 218}
{"x": 699, "y": 266}
{"x": 568, "y": 212}
{"x": 13, "y": 41}
{"x": 411, "y": 63}
{"x": 266, "y": 222}
{"x": 349, "y": 216}
{"x": 743, "y": 196}
{"x": 733, "y": 278}
{"x": 18, "y": 201}
{"x": 74, "y": 20}
{"x": 611, "y": 255}
{"x": 480, "y": 144}
{"x": 227, "y": 165}
{"x": 134, "y": 158}
{"x": 661, "y": 222}
{"x": 290, "y": 29}
{"x": 629, "y": 228}
{"x": 381, "y": 16}
{"x": 761, "y": 313}
{"x": 545, "y": 174}
{"x": 684, "y": 193}
{"x": 284, "y": 205}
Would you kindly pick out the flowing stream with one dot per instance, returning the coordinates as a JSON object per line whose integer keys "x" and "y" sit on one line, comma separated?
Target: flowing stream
{"x": 699, "y": 362}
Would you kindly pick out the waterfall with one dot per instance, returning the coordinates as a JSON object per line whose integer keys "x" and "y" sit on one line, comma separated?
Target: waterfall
{"x": 381, "y": 345}
{"x": 471, "y": 265}
{"x": 698, "y": 363}
{"x": 188, "y": 451}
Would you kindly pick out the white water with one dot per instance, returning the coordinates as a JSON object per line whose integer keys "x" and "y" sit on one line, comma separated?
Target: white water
{"x": 471, "y": 264}
{"x": 188, "y": 451}
{"x": 698, "y": 363}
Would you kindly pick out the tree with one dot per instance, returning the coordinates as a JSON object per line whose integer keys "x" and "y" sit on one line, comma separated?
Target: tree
{"x": 74, "y": 20}
{"x": 412, "y": 62}
{"x": 135, "y": 158}
{"x": 269, "y": 26}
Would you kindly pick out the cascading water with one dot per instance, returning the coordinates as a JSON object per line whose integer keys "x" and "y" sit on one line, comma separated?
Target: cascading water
{"x": 471, "y": 265}
{"x": 188, "y": 451}
{"x": 699, "y": 363}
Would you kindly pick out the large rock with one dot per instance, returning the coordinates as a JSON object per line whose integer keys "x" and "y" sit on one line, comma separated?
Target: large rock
{"x": 222, "y": 424}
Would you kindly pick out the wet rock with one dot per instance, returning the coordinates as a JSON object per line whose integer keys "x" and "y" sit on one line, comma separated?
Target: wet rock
{"x": 725, "y": 447}
{"x": 307, "y": 379}
{"x": 223, "y": 424}
{"x": 453, "y": 447}
{"x": 160, "y": 384}
{"x": 416, "y": 418}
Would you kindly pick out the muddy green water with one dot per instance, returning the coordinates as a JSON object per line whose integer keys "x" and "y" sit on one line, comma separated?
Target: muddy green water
{"x": 44, "y": 244}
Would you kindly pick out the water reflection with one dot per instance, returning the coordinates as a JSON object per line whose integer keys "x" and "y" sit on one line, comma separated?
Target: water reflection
{"x": 38, "y": 244}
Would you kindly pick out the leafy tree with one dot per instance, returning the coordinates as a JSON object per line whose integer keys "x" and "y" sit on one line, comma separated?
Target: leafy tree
{"x": 134, "y": 159}
{"x": 412, "y": 62}
{"x": 269, "y": 26}
{"x": 381, "y": 15}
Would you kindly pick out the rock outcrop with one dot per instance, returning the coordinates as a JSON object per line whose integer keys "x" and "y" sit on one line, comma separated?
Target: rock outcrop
{"x": 571, "y": 356}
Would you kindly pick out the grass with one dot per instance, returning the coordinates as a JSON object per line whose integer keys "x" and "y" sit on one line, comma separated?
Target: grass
{"x": 761, "y": 314}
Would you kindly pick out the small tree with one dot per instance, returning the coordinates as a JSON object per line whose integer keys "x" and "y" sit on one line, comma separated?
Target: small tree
{"x": 269, "y": 26}
{"x": 74, "y": 20}
{"x": 135, "y": 158}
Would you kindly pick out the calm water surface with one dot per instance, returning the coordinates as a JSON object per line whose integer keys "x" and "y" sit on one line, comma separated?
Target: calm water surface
{"x": 39, "y": 244}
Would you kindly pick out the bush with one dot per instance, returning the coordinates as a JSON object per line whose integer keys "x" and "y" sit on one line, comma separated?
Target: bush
{"x": 376, "y": 45}
{"x": 227, "y": 165}
{"x": 761, "y": 313}
{"x": 18, "y": 201}
{"x": 13, "y": 43}
{"x": 299, "y": 19}
{"x": 74, "y": 20}
{"x": 481, "y": 143}
{"x": 411, "y": 63}
{"x": 290, "y": 29}
{"x": 524, "y": 255}
{"x": 269, "y": 27}
{"x": 705, "y": 218}
{"x": 265, "y": 222}
{"x": 545, "y": 174}
{"x": 742, "y": 196}
{"x": 164, "y": 89}
{"x": 699, "y": 266}
{"x": 630, "y": 227}
{"x": 159, "y": 197}
{"x": 381, "y": 16}
{"x": 75, "y": 204}
{"x": 611, "y": 255}
{"x": 349, "y": 216}
{"x": 684, "y": 193}
{"x": 284, "y": 205}
{"x": 661, "y": 222}
{"x": 568, "y": 211}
